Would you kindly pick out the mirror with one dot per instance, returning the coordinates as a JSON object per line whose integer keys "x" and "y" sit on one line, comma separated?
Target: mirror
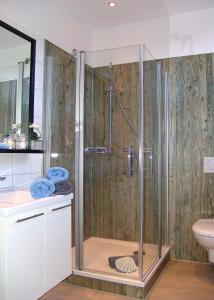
{"x": 17, "y": 64}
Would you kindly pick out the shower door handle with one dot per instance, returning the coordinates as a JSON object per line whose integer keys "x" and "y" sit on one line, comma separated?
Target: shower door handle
{"x": 130, "y": 156}
{"x": 148, "y": 155}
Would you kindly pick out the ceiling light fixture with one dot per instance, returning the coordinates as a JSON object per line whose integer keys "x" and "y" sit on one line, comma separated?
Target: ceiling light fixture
{"x": 112, "y": 4}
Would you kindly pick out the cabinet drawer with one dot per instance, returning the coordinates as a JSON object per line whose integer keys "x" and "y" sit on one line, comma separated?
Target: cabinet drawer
{"x": 58, "y": 244}
{"x": 5, "y": 181}
{"x": 24, "y": 259}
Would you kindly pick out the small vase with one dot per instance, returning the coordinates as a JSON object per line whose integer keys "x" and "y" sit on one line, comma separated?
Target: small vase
{"x": 35, "y": 145}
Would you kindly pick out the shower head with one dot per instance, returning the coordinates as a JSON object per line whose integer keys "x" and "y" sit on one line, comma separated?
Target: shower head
{"x": 74, "y": 52}
{"x": 27, "y": 60}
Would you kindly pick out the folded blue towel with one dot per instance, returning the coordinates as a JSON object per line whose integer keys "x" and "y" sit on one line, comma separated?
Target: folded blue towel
{"x": 57, "y": 174}
{"x": 4, "y": 146}
{"x": 41, "y": 188}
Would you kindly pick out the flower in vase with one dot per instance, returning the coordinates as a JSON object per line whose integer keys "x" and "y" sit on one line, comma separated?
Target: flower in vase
{"x": 16, "y": 126}
{"x": 35, "y": 134}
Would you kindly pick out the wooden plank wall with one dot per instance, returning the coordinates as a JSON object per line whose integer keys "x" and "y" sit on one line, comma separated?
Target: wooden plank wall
{"x": 114, "y": 195}
{"x": 150, "y": 140}
{"x": 192, "y": 119}
{"x": 62, "y": 84}
{"x": 192, "y": 127}
{"x": 8, "y": 91}
{"x": 111, "y": 204}
{"x": 7, "y": 105}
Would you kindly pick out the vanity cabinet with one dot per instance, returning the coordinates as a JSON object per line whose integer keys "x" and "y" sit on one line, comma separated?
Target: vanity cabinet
{"x": 57, "y": 244}
{"x": 24, "y": 256}
{"x": 35, "y": 251}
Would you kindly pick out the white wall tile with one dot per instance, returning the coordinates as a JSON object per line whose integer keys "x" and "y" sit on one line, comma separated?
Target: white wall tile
{"x": 20, "y": 169}
{"x": 36, "y": 163}
{"x": 21, "y": 163}
{"x": 21, "y": 182}
{"x": 34, "y": 176}
{"x": 6, "y": 182}
{"x": 38, "y": 103}
{"x": 6, "y": 164}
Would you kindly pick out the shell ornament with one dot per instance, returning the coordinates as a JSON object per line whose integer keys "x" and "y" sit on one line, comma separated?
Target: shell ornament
{"x": 125, "y": 265}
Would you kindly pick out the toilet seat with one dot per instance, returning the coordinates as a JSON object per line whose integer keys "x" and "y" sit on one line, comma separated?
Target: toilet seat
{"x": 204, "y": 227}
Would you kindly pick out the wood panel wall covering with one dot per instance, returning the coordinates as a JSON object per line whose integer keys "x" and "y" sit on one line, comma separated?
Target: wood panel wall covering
{"x": 191, "y": 138}
{"x": 113, "y": 195}
{"x": 8, "y": 90}
{"x": 192, "y": 128}
{"x": 60, "y": 81}
{"x": 7, "y": 105}
{"x": 151, "y": 140}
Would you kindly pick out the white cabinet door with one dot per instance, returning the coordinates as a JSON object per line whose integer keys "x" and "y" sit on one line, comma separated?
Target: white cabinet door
{"x": 25, "y": 256}
{"x": 57, "y": 244}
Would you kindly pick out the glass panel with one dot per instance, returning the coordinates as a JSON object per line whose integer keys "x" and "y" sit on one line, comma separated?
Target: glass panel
{"x": 60, "y": 95}
{"x": 155, "y": 174}
{"x": 150, "y": 246}
{"x": 111, "y": 207}
{"x": 153, "y": 159}
{"x": 111, "y": 180}
{"x": 165, "y": 153}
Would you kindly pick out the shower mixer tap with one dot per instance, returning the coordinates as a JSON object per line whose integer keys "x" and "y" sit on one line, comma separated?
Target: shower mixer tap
{"x": 130, "y": 156}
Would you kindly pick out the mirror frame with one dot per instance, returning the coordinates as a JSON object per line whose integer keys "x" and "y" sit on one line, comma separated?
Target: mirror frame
{"x": 32, "y": 66}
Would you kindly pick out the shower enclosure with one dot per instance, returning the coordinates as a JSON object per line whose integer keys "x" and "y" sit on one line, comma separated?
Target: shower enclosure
{"x": 121, "y": 163}
{"x": 107, "y": 122}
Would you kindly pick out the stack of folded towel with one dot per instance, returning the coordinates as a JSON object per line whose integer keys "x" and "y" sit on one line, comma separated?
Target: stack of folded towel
{"x": 56, "y": 183}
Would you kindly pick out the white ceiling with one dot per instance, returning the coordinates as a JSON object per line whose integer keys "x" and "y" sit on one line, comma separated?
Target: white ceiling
{"x": 96, "y": 13}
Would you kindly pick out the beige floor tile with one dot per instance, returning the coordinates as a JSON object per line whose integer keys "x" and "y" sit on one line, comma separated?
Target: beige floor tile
{"x": 68, "y": 292}
{"x": 179, "y": 281}
{"x": 184, "y": 281}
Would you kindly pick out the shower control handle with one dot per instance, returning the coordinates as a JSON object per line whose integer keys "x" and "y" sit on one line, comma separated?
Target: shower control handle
{"x": 130, "y": 156}
{"x": 148, "y": 156}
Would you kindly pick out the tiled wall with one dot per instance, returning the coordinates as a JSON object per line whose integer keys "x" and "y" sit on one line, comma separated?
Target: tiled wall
{"x": 21, "y": 169}
{"x": 18, "y": 170}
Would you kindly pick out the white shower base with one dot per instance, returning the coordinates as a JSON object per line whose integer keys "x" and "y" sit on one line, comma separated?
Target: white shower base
{"x": 97, "y": 250}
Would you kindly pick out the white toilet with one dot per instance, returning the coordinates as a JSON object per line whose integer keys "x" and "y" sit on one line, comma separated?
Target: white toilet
{"x": 204, "y": 233}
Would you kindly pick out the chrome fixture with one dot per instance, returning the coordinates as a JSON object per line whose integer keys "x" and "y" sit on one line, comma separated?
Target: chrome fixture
{"x": 148, "y": 160}
{"x": 115, "y": 93}
{"x": 74, "y": 52}
{"x": 112, "y": 90}
{"x": 96, "y": 150}
{"x": 110, "y": 105}
{"x": 130, "y": 155}
{"x": 159, "y": 158}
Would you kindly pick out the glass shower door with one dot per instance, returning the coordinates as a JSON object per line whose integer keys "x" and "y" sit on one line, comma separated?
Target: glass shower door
{"x": 119, "y": 162}
{"x": 154, "y": 162}
{"x": 111, "y": 178}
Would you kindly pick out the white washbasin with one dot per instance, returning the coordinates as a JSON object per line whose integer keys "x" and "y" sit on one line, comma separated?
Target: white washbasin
{"x": 13, "y": 202}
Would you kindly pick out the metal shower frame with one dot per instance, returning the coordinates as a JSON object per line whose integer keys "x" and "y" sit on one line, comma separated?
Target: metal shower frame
{"x": 79, "y": 162}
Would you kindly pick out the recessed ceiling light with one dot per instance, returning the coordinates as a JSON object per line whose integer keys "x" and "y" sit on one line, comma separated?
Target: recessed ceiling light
{"x": 112, "y": 4}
